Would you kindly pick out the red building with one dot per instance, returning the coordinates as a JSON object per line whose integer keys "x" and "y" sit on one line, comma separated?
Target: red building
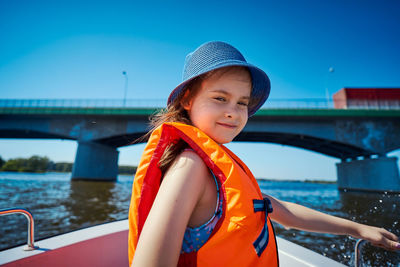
{"x": 367, "y": 97}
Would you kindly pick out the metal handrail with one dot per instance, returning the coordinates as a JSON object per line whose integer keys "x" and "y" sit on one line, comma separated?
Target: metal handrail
{"x": 357, "y": 251}
{"x": 31, "y": 224}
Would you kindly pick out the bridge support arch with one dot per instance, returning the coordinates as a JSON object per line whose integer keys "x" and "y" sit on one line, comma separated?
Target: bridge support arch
{"x": 369, "y": 174}
{"x": 95, "y": 162}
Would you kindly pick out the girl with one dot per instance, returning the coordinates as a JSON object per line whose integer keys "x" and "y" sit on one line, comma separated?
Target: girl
{"x": 194, "y": 202}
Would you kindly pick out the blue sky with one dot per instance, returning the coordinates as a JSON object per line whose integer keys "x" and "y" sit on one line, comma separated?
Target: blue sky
{"x": 78, "y": 49}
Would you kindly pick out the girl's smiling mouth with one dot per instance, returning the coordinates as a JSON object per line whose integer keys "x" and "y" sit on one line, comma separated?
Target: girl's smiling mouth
{"x": 227, "y": 125}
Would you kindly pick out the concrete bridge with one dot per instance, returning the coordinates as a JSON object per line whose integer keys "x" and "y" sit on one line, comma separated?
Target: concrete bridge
{"x": 361, "y": 138}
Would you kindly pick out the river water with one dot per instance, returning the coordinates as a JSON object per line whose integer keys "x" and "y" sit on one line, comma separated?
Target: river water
{"x": 59, "y": 205}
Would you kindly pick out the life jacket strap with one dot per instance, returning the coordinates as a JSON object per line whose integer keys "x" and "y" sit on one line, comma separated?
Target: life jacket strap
{"x": 262, "y": 240}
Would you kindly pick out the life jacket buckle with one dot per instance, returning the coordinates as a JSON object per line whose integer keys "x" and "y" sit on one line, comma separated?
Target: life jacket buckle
{"x": 262, "y": 240}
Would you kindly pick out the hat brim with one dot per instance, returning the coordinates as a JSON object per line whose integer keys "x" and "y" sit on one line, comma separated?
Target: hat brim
{"x": 261, "y": 85}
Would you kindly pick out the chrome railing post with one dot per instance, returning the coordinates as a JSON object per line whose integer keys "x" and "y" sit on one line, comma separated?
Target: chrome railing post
{"x": 357, "y": 252}
{"x": 31, "y": 225}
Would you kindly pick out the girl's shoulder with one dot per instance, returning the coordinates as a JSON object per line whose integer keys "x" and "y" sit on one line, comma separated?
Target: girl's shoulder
{"x": 190, "y": 165}
{"x": 188, "y": 158}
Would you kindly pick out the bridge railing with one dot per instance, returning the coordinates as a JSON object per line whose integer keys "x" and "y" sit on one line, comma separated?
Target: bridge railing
{"x": 305, "y": 103}
{"x": 82, "y": 103}
{"x": 319, "y": 103}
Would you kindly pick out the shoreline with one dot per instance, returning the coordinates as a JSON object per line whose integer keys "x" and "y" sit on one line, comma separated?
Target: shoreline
{"x": 296, "y": 181}
{"x": 316, "y": 181}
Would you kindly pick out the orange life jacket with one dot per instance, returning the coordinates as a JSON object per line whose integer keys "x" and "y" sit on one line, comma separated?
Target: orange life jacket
{"x": 243, "y": 236}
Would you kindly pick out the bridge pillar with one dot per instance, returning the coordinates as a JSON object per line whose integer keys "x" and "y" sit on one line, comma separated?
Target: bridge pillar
{"x": 95, "y": 162}
{"x": 369, "y": 174}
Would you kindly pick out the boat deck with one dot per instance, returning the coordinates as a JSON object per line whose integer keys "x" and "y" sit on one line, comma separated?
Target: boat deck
{"x": 107, "y": 245}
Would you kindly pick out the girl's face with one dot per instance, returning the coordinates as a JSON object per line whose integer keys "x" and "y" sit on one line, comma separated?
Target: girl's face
{"x": 219, "y": 108}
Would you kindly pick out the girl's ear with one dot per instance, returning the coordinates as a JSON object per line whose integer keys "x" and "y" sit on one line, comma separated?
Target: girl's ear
{"x": 186, "y": 102}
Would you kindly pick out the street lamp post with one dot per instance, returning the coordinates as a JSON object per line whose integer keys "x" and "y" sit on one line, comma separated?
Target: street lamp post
{"x": 126, "y": 86}
{"x": 331, "y": 70}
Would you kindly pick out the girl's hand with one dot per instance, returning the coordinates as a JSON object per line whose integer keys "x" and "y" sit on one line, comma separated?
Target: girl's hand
{"x": 299, "y": 217}
{"x": 378, "y": 237}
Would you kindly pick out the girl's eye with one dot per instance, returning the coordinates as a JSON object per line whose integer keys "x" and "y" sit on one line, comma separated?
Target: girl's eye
{"x": 220, "y": 98}
{"x": 243, "y": 104}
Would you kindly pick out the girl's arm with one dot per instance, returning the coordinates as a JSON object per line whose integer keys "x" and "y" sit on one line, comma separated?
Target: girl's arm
{"x": 299, "y": 217}
{"x": 161, "y": 238}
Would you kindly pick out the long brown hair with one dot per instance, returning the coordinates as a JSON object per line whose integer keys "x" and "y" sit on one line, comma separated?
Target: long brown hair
{"x": 175, "y": 112}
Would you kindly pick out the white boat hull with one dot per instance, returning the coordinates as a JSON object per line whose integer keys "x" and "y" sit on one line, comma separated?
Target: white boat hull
{"x": 107, "y": 245}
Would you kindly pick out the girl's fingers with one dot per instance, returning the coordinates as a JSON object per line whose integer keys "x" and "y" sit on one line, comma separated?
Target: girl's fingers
{"x": 384, "y": 239}
{"x": 395, "y": 245}
{"x": 389, "y": 244}
{"x": 389, "y": 240}
{"x": 390, "y": 235}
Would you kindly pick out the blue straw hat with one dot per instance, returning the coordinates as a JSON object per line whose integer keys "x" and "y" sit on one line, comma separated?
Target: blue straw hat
{"x": 215, "y": 55}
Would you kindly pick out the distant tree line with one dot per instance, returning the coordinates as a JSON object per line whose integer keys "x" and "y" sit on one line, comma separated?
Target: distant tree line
{"x": 44, "y": 164}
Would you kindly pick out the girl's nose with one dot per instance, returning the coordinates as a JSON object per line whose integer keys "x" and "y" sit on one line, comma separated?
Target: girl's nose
{"x": 230, "y": 112}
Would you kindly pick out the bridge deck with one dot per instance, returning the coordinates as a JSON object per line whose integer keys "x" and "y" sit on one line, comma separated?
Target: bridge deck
{"x": 315, "y": 129}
